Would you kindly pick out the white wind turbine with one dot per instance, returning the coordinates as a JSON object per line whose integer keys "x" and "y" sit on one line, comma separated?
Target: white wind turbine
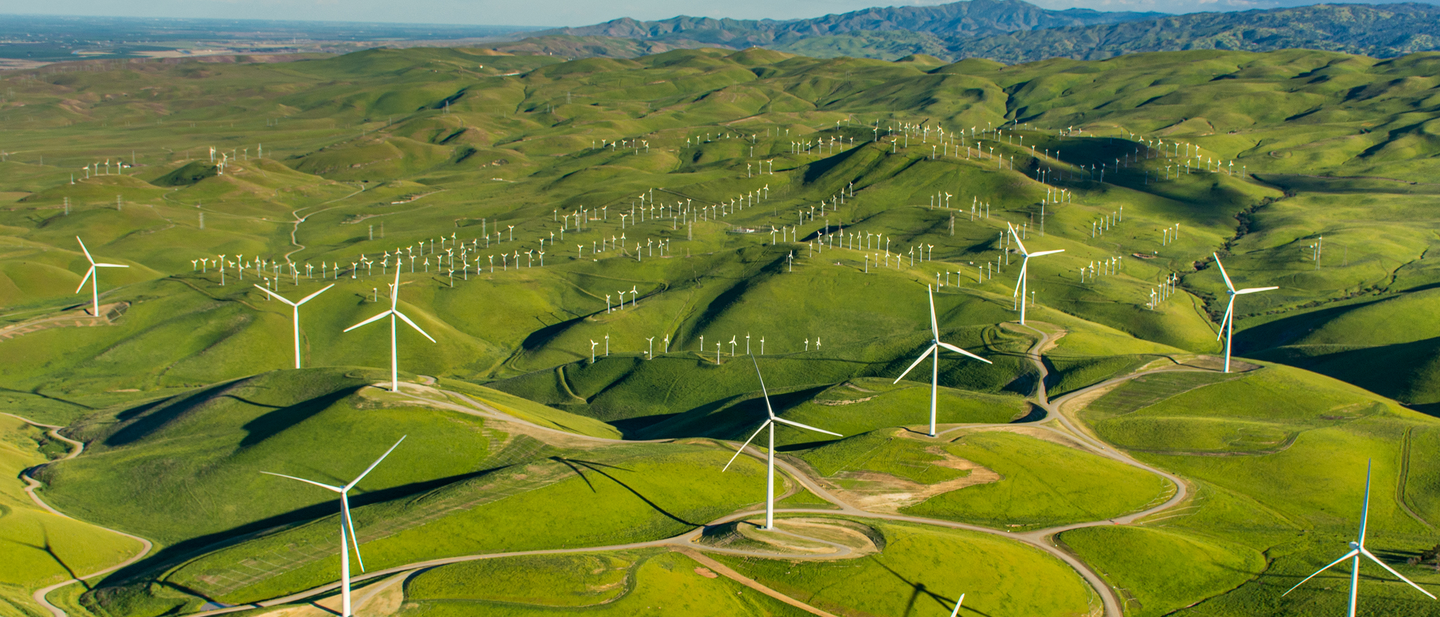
{"x": 934, "y": 352}
{"x": 295, "y": 313}
{"x": 93, "y": 278}
{"x": 1229, "y": 320}
{"x": 770, "y": 452}
{"x": 1020, "y": 285}
{"x": 393, "y": 313}
{"x": 347, "y": 527}
{"x": 1357, "y": 548}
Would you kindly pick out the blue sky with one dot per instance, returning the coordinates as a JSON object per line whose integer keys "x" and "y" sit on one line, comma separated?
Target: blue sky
{"x": 548, "y": 12}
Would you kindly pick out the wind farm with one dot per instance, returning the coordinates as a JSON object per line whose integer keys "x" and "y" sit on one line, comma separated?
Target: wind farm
{"x": 1108, "y": 430}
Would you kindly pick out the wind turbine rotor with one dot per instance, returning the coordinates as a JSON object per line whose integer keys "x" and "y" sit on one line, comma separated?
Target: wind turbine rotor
{"x": 923, "y": 355}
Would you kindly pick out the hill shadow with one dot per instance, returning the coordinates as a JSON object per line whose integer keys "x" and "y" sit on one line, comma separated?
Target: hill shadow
{"x": 145, "y": 419}
{"x": 153, "y": 567}
{"x": 283, "y": 418}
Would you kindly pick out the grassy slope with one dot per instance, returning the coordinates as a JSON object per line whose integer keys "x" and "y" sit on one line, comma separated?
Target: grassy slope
{"x": 631, "y": 583}
{"x": 42, "y": 548}
{"x": 916, "y": 575}
{"x": 1277, "y": 458}
{"x": 1042, "y": 484}
{"x": 329, "y": 126}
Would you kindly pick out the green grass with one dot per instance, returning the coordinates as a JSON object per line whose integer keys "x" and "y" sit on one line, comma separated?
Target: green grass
{"x": 1260, "y": 412}
{"x": 649, "y": 582}
{"x": 197, "y": 458}
{"x": 887, "y": 452}
{"x": 918, "y": 574}
{"x": 41, "y": 548}
{"x": 183, "y": 400}
{"x": 541, "y": 580}
{"x": 1041, "y": 484}
{"x": 616, "y": 496}
{"x": 1164, "y": 571}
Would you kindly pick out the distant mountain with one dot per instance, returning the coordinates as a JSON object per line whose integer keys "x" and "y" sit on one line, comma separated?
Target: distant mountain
{"x": 959, "y": 19}
{"x": 1380, "y": 31}
{"x": 1014, "y": 31}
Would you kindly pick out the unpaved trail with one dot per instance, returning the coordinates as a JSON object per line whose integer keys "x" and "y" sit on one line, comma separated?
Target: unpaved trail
{"x": 1042, "y": 539}
{"x": 31, "y": 484}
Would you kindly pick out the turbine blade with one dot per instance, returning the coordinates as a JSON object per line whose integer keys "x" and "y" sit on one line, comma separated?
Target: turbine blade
{"x": 275, "y": 295}
{"x": 1047, "y": 252}
{"x": 325, "y": 486}
{"x": 111, "y": 266}
{"x": 1254, "y": 290}
{"x": 747, "y": 442}
{"x": 934, "y": 325}
{"x": 1332, "y": 564}
{"x": 1229, "y": 310}
{"x": 412, "y": 325}
{"x": 88, "y": 273}
{"x": 1020, "y": 279}
{"x": 1365, "y": 510}
{"x": 1397, "y": 574}
{"x": 957, "y": 605}
{"x": 918, "y": 360}
{"x": 1228, "y": 284}
{"x": 395, "y": 291}
{"x": 309, "y": 297}
{"x": 350, "y": 525}
{"x": 1017, "y": 239}
{"x": 763, "y": 392}
{"x": 375, "y": 318}
{"x": 372, "y": 465}
{"x": 807, "y": 427}
{"x": 962, "y": 351}
{"x": 87, "y": 251}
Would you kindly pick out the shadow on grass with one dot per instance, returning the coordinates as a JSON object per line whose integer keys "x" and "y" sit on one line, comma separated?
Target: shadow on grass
{"x": 50, "y": 550}
{"x": 918, "y": 590}
{"x": 283, "y": 418}
{"x": 576, "y": 464}
{"x": 153, "y": 568}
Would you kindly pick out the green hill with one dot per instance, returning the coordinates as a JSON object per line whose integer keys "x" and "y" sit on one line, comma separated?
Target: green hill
{"x": 549, "y": 416}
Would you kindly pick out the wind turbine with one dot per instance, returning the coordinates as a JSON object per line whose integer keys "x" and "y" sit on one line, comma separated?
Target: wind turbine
{"x": 393, "y": 313}
{"x": 93, "y": 278}
{"x": 1020, "y": 285}
{"x": 346, "y": 525}
{"x": 934, "y": 352}
{"x": 295, "y": 313}
{"x": 1357, "y": 548}
{"x": 770, "y": 453}
{"x": 1229, "y": 319}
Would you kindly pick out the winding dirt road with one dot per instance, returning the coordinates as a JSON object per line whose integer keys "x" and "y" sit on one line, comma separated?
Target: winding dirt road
{"x": 1042, "y": 539}
{"x": 31, "y": 484}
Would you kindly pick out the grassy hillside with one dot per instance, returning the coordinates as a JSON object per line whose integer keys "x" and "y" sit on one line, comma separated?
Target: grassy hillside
{"x": 458, "y": 167}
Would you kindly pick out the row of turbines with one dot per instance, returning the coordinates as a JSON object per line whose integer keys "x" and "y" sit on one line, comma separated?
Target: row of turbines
{"x": 349, "y": 540}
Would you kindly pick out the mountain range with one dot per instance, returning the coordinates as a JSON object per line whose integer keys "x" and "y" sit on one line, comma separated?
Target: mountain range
{"x": 1014, "y": 31}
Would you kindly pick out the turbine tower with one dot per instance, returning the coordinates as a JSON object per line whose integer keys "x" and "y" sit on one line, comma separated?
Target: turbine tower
{"x": 1229, "y": 320}
{"x": 93, "y": 278}
{"x": 934, "y": 352}
{"x": 347, "y": 527}
{"x": 1357, "y": 549}
{"x": 295, "y": 313}
{"x": 770, "y": 453}
{"x": 393, "y": 313}
{"x": 1020, "y": 285}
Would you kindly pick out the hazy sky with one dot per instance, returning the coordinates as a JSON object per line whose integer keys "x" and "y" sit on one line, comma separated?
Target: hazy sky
{"x": 547, "y": 12}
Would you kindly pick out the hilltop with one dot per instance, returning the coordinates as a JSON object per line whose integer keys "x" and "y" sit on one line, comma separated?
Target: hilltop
{"x": 1014, "y": 31}
{"x": 569, "y": 429}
